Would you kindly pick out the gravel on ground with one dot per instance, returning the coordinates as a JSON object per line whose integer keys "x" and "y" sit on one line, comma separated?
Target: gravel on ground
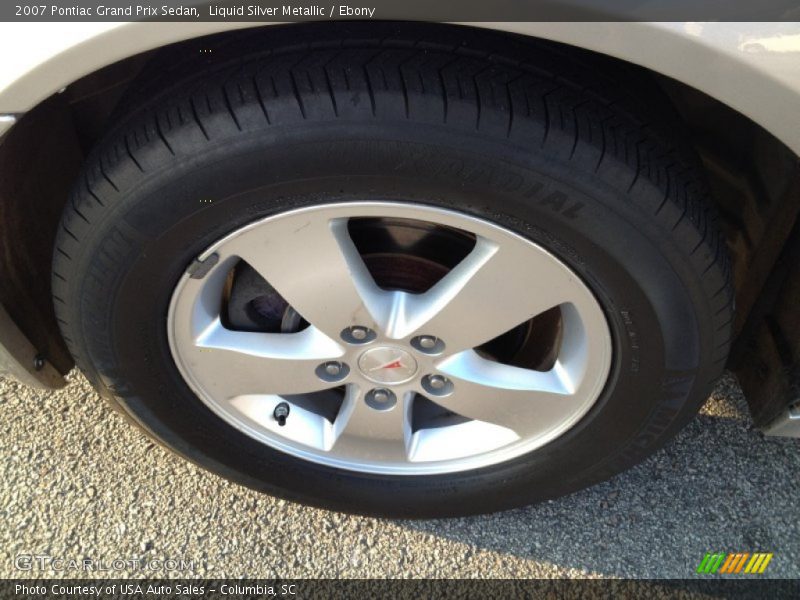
{"x": 78, "y": 481}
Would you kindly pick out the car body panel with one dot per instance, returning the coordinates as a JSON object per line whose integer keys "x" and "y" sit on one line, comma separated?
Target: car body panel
{"x": 6, "y": 121}
{"x": 752, "y": 67}
{"x": 18, "y": 358}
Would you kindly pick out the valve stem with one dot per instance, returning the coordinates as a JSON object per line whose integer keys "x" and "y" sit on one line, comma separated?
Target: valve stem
{"x": 280, "y": 413}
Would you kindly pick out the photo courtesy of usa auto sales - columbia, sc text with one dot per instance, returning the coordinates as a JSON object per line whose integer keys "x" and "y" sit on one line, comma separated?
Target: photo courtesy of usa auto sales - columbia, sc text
{"x": 125, "y": 589}
{"x": 145, "y": 11}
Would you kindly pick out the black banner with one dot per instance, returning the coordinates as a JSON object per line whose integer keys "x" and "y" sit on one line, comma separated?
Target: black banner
{"x": 295, "y": 589}
{"x": 415, "y": 10}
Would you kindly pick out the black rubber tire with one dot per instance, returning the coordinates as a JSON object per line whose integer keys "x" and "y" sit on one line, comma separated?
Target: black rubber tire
{"x": 581, "y": 157}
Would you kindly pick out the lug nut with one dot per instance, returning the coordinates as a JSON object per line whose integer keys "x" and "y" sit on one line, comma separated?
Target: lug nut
{"x": 358, "y": 335}
{"x": 428, "y": 344}
{"x": 380, "y": 399}
{"x": 333, "y": 368}
{"x": 437, "y": 382}
{"x": 332, "y": 371}
{"x": 437, "y": 385}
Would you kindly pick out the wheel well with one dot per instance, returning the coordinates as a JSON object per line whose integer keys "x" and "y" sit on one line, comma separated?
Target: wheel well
{"x": 754, "y": 178}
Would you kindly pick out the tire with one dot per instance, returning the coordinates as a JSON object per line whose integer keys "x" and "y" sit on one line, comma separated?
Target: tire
{"x": 576, "y": 156}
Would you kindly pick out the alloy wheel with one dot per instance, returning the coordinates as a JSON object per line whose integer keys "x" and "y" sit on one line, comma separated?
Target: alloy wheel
{"x": 387, "y": 356}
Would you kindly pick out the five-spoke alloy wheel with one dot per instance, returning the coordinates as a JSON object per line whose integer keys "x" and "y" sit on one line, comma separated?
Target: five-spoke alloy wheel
{"x": 389, "y": 347}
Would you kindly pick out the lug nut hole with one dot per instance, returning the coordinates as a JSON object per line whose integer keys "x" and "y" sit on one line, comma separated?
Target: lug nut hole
{"x": 358, "y": 335}
{"x": 437, "y": 385}
{"x": 381, "y": 399}
{"x": 332, "y": 371}
{"x": 428, "y": 344}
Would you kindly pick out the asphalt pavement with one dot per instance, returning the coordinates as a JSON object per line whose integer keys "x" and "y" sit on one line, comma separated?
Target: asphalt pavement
{"x": 77, "y": 481}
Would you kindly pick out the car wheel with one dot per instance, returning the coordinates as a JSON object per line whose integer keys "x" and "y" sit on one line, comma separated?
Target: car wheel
{"x": 396, "y": 278}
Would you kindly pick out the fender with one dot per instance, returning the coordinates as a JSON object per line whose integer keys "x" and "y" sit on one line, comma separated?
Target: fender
{"x": 752, "y": 67}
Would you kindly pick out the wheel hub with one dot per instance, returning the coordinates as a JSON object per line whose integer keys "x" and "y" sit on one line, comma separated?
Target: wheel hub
{"x": 386, "y": 364}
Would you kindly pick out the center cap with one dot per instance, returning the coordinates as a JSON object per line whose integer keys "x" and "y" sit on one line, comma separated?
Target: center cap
{"x": 385, "y": 364}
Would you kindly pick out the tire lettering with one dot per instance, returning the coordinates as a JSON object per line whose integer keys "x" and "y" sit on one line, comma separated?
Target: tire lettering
{"x": 560, "y": 203}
